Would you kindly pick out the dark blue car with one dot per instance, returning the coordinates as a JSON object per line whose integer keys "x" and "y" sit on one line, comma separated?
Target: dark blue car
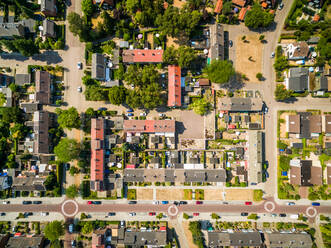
{"x": 164, "y": 202}
{"x": 315, "y": 203}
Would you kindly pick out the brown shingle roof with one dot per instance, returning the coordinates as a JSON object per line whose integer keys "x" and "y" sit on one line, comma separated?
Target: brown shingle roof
{"x": 43, "y": 87}
{"x": 316, "y": 175}
{"x": 294, "y": 123}
{"x": 295, "y": 175}
{"x": 328, "y": 123}
{"x": 328, "y": 172}
{"x": 315, "y": 124}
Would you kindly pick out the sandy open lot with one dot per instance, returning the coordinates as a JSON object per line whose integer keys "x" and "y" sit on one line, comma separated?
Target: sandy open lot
{"x": 172, "y": 42}
{"x": 252, "y": 48}
{"x": 213, "y": 195}
{"x": 188, "y": 234}
{"x": 192, "y": 125}
{"x": 144, "y": 194}
{"x": 239, "y": 195}
{"x": 169, "y": 194}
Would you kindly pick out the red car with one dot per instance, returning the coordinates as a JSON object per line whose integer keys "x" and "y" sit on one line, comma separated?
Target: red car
{"x": 89, "y": 202}
{"x": 198, "y": 202}
{"x": 195, "y": 214}
{"x": 151, "y": 213}
{"x": 248, "y": 203}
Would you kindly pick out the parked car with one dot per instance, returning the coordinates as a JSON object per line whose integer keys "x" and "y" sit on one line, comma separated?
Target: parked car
{"x": 37, "y": 202}
{"x": 151, "y": 213}
{"x": 164, "y": 202}
{"x": 73, "y": 243}
{"x": 80, "y": 65}
{"x": 156, "y": 202}
{"x": 79, "y": 88}
{"x": 274, "y": 215}
{"x": 195, "y": 214}
{"x": 290, "y": 203}
{"x": 281, "y": 5}
{"x": 272, "y": 55}
{"x": 129, "y": 110}
{"x": 67, "y": 165}
{"x": 27, "y": 202}
{"x": 294, "y": 216}
{"x": 198, "y": 202}
{"x": 132, "y": 202}
{"x": 282, "y": 215}
{"x": 129, "y": 114}
{"x": 161, "y": 115}
{"x": 143, "y": 114}
{"x": 132, "y": 214}
{"x": 244, "y": 214}
{"x": 44, "y": 213}
{"x": 176, "y": 203}
{"x": 248, "y": 203}
{"x": 230, "y": 43}
{"x": 111, "y": 214}
{"x": 26, "y": 214}
{"x": 2, "y": 214}
{"x": 89, "y": 203}
{"x": 316, "y": 204}
{"x": 6, "y": 202}
{"x": 97, "y": 202}
{"x": 71, "y": 228}
{"x": 183, "y": 202}
{"x": 102, "y": 109}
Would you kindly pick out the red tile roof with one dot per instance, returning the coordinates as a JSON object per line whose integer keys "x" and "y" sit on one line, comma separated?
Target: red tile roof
{"x": 204, "y": 82}
{"x": 142, "y": 56}
{"x": 174, "y": 87}
{"x": 97, "y": 152}
{"x": 264, "y": 5}
{"x": 316, "y": 18}
{"x": 149, "y": 126}
{"x": 219, "y": 6}
{"x": 242, "y": 14}
{"x": 130, "y": 166}
{"x": 240, "y": 3}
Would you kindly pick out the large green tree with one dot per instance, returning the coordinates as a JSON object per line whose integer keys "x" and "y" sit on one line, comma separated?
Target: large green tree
{"x": 183, "y": 56}
{"x": 281, "y": 93}
{"x": 219, "y": 71}
{"x": 200, "y": 106}
{"x": 281, "y": 63}
{"x": 53, "y": 230}
{"x": 117, "y": 95}
{"x": 72, "y": 191}
{"x": 87, "y": 7}
{"x": 257, "y": 17}
{"x": 26, "y": 47}
{"x": 67, "y": 150}
{"x": 68, "y": 118}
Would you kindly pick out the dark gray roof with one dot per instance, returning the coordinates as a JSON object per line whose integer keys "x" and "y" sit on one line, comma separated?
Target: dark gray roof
{"x": 49, "y": 28}
{"x": 297, "y": 145}
{"x": 48, "y": 5}
{"x": 98, "y": 66}
{"x": 236, "y": 239}
{"x": 25, "y": 242}
{"x": 169, "y": 175}
{"x": 216, "y": 42}
{"x": 8, "y": 30}
{"x": 298, "y": 79}
{"x": 5, "y": 182}
{"x": 133, "y": 175}
{"x": 40, "y": 129}
{"x": 21, "y": 79}
{"x": 28, "y": 183}
{"x": 30, "y": 107}
{"x": 240, "y": 104}
{"x": 288, "y": 240}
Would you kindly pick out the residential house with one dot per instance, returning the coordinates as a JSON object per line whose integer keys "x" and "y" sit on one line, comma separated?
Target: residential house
{"x": 234, "y": 239}
{"x": 174, "y": 175}
{"x": 239, "y": 3}
{"x": 28, "y": 182}
{"x": 26, "y": 241}
{"x": 297, "y": 50}
{"x": 137, "y": 239}
{"x": 218, "y": 7}
{"x": 328, "y": 172}
{"x": 321, "y": 83}
{"x": 99, "y": 238}
{"x": 159, "y": 127}
{"x": 10, "y": 30}
{"x": 48, "y": 7}
{"x": 21, "y": 79}
{"x": 43, "y": 87}
{"x": 142, "y": 56}
{"x": 216, "y": 50}
{"x": 174, "y": 86}
{"x": 288, "y": 240}
{"x": 203, "y": 82}
{"x": 100, "y": 71}
{"x": 303, "y": 173}
{"x": 5, "y": 182}
{"x": 235, "y": 104}
{"x": 29, "y": 107}
{"x": 255, "y": 159}
{"x": 6, "y": 93}
{"x": 97, "y": 154}
{"x": 48, "y": 29}
{"x": 304, "y": 125}
{"x": 327, "y": 125}
{"x": 297, "y": 79}
{"x": 41, "y": 124}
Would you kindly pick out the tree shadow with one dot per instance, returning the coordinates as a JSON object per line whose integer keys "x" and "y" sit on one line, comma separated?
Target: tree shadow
{"x": 235, "y": 83}
{"x": 290, "y": 100}
{"x": 50, "y": 57}
{"x": 15, "y": 56}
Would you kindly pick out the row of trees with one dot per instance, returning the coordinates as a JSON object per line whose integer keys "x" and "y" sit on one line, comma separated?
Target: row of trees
{"x": 183, "y": 56}
{"x": 26, "y": 47}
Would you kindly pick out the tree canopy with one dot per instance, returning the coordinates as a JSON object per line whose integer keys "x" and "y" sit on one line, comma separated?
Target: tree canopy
{"x": 183, "y": 56}
{"x": 87, "y": 7}
{"x": 281, "y": 93}
{"x": 219, "y": 71}
{"x": 68, "y": 118}
{"x": 53, "y": 230}
{"x": 281, "y": 63}
{"x": 200, "y": 106}
{"x": 26, "y": 47}
{"x": 117, "y": 95}
{"x": 257, "y": 17}
{"x": 72, "y": 191}
{"x": 67, "y": 150}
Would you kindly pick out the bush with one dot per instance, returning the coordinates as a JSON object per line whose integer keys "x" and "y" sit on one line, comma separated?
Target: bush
{"x": 252, "y": 217}
{"x": 186, "y": 216}
{"x": 258, "y": 194}
{"x": 284, "y": 162}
